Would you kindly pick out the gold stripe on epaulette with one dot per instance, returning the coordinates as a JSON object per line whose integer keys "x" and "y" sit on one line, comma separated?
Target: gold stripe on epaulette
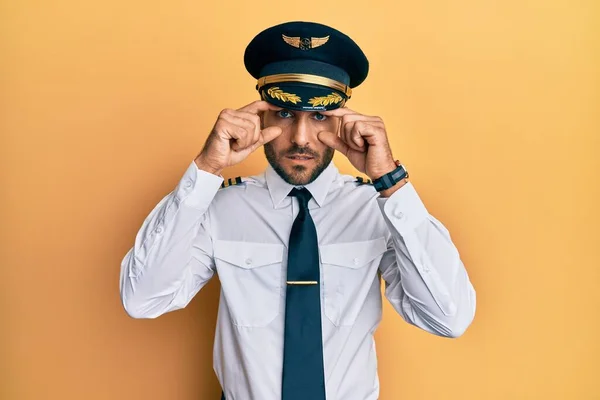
{"x": 363, "y": 181}
{"x": 232, "y": 182}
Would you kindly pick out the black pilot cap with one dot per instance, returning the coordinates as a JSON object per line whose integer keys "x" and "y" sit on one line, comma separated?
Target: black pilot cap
{"x": 305, "y": 66}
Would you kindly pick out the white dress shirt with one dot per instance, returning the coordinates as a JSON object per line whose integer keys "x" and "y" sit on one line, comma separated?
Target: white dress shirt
{"x": 241, "y": 233}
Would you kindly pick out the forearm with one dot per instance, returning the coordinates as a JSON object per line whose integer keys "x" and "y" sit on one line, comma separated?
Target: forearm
{"x": 171, "y": 253}
{"x": 432, "y": 288}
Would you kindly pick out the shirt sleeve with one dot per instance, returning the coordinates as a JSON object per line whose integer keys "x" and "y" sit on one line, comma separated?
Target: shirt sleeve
{"x": 171, "y": 258}
{"x": 425, "y": 278}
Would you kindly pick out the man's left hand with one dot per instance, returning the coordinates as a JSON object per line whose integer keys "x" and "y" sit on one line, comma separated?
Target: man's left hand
{"x": 363, "y": 140}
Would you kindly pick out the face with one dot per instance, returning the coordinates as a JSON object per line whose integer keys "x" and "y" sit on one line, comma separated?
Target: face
{"x": 297, "y": 154}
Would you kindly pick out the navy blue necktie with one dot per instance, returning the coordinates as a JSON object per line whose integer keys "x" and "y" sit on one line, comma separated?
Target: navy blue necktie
{"x": 303, "y": 375}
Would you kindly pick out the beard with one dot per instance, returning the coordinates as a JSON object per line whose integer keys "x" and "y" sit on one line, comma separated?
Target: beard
{"x": 299, "y": 175}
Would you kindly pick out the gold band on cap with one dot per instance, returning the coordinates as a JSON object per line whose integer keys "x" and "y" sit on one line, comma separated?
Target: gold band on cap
{"x": 305, "y": 78}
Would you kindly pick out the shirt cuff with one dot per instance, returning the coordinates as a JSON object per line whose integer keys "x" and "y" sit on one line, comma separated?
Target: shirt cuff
{"x": 404, "y": 209}
{"x": 197, "y": 188}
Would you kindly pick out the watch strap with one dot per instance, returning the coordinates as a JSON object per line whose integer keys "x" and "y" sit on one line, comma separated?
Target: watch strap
{"x": 391, "y": 178}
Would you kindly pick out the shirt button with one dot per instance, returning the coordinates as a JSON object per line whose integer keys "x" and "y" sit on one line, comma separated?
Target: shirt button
{"x": 399, "y": 214}
{"x": 355, "y": 261}
{"x": 248, "y": 261}
{"x": 159, "y": 230}
{"x": 188, "y": 184}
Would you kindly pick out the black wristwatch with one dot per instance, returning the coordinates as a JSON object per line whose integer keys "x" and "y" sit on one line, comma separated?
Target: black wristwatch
{"x": 391, "y": 178}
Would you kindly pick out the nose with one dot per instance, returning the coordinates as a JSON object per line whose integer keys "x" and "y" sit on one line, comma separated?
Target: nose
{"x": 300, "y": 132}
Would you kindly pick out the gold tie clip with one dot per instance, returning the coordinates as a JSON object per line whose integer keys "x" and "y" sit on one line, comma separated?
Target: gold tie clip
{"x": 302, "y": 282}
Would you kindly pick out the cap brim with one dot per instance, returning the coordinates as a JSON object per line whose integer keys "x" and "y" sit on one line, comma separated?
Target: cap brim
{"x": 303, "y": 96}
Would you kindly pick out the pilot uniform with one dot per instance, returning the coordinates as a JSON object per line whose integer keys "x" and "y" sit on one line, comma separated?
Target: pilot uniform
{"x": 283, "y": 332}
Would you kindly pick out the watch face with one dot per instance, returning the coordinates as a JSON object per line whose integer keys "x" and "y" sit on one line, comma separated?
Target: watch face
{"x": 405, "y": 171}
{"x": 399, "y": 164}
{"x": 399, "y": 174}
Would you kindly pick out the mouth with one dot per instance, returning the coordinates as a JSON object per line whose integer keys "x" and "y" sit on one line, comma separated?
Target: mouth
{"x": 300, "y": 158}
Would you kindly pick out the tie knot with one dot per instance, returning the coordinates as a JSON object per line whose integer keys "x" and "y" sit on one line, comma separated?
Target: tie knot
{"x": 303, "y": 196}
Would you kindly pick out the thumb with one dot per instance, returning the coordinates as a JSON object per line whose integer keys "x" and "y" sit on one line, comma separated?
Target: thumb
{"x": 334, "y": 141}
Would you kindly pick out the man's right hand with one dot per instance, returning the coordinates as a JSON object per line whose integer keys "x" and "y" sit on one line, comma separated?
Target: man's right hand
{"x": 235, "y": 135}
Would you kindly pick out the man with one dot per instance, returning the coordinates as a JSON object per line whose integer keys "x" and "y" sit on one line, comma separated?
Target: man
{"x": 300, "y": 249}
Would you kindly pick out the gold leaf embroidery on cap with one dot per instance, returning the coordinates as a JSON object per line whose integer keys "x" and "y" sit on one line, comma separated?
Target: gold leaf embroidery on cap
{"x": 305, "y": 43}
{"x": 279, "y": 94}
{"x": 333, "y": 98}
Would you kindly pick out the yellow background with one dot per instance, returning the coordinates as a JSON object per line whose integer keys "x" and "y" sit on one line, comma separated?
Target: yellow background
{"x": 493, "y": 106}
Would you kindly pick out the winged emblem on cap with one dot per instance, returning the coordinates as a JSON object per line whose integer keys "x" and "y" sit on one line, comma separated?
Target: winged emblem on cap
{"x": 305, "y": 43}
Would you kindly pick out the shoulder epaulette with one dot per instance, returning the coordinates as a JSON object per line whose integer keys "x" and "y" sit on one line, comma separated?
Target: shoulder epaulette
{"x": 232, "y": 182}
{"x": 363, "y": 181}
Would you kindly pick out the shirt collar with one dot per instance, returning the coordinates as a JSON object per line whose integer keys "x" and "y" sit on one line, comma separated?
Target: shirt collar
{"x": 279, "y": 189}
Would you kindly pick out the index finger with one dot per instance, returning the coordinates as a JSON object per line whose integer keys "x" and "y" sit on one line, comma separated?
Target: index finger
{"x": 259, "y": 105}
{"x": 338, "y": 112}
